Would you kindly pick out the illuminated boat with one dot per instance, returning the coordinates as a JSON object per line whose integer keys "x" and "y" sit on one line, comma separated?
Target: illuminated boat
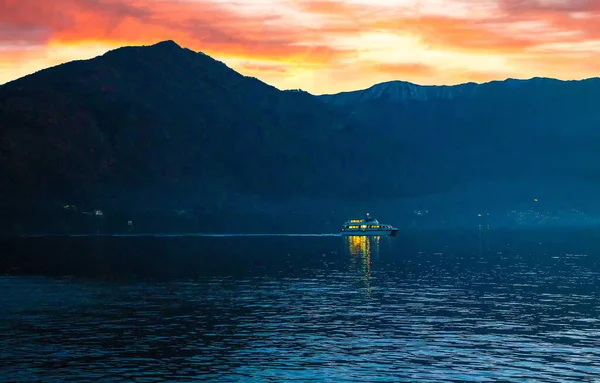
{"x": 367, "y": 226}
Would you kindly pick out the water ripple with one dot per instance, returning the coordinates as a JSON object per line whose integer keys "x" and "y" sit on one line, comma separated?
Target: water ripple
{"x": 356, "y": 321}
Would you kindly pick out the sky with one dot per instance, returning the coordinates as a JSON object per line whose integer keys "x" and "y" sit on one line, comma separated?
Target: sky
{"x": 321, "y": 46}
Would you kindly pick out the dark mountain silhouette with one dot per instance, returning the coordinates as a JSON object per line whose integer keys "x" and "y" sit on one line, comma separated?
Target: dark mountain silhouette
{"x": 165, "y": 129}
{"x": 542, "y": 131}
{"x": 161, "y": 118}
{"x": 158, "y": 119}
{"x": 173, "y": 133}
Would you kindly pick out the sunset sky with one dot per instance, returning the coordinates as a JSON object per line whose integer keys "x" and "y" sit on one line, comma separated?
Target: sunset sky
{"x": 321, "y": 46}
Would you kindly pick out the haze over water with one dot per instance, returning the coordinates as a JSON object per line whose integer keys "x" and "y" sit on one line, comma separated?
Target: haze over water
{"x": 424, "y": 306}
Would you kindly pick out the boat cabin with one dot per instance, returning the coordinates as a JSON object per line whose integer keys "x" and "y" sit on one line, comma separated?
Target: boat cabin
{"x": 366, "y": 223}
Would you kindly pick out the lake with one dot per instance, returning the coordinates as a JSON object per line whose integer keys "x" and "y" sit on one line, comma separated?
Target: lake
{"x": 426, "y": 306}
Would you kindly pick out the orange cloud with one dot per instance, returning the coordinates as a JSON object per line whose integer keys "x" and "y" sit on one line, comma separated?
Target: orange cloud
{"x": 319, "y": 45}
{"x": 261, "y": 68}
{"x": 204, "y": 25}
{"x": 404, "y": 70}
{"x": 545, "y": 6}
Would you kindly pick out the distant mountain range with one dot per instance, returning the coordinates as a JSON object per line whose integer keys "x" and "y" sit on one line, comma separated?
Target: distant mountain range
{"x": 162, "y": 127}
{"x": 542, "y": 129}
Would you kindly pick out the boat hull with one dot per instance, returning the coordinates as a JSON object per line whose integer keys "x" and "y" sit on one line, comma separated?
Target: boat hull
{"x": 372, "y": 232}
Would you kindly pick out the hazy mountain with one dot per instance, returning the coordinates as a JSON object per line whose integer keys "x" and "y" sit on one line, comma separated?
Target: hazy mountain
{"x": 169, "y": 132}
{"x": 539, "y": 133}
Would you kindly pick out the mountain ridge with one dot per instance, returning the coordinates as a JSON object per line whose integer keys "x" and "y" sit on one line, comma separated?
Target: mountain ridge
{"x": 180, "y": 110}
{"x": 173, "y": 46}
{"x": 400, "y": 90}
{"x": 163, "y": 128}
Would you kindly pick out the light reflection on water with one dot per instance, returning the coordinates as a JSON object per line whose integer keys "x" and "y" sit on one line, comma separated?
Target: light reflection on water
{"x": 363, "y": 309}
{"x": 360, "y": 248}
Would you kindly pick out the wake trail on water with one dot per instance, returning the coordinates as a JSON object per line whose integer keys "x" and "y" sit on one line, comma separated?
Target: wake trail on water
{"x": 170, "y": 235}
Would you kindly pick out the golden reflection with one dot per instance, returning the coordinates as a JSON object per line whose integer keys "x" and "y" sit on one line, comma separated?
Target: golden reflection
{"x": 361, "y": 248}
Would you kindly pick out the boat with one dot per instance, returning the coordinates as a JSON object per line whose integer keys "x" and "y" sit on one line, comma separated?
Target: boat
{"x": 367, "y": 226}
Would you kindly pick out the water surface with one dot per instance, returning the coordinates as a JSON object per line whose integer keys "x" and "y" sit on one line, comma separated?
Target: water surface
{"x": 427, "y": 307}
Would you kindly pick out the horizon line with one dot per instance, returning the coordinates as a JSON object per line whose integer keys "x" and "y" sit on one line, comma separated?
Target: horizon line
{"x": 300, "y": 89}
